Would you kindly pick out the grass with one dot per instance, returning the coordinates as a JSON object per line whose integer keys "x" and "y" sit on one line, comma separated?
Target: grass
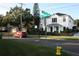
{"x": 16, "y": 48}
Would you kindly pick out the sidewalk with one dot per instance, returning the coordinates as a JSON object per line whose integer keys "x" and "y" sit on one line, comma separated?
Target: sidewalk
{"x": 60, "y": 37}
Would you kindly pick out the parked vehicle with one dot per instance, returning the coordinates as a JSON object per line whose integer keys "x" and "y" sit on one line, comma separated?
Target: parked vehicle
{"x": 20, "y": 34}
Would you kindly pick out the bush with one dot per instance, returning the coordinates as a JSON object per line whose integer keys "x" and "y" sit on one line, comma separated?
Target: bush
{"x": 0, "y": 35}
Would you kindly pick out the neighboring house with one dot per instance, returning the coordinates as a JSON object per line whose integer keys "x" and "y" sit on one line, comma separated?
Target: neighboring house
{"x": 57, "y": 22}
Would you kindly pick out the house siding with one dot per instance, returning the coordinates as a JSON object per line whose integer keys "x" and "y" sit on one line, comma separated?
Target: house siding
{"x": 69, "y": 23}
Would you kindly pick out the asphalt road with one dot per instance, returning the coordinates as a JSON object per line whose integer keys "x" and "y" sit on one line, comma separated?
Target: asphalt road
{"x": 69, "y": 46}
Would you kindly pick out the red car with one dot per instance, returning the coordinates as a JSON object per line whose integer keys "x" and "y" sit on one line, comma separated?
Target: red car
{"x": 20, "y": 34}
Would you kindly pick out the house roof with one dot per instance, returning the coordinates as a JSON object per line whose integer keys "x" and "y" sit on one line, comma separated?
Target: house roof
{"x": 60, "y": 14}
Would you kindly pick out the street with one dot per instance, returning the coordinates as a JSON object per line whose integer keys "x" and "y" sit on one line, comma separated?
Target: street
{"x": 69, "y": 46}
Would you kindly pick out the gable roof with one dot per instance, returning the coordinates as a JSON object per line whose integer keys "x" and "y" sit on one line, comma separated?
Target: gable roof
{"x": 60, "y": 14}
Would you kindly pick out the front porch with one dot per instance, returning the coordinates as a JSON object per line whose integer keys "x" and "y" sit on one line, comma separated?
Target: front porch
{"x": 54, "y": 28}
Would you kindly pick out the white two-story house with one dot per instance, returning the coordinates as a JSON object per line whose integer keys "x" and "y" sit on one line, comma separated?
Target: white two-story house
{"x": 57, "y": 22}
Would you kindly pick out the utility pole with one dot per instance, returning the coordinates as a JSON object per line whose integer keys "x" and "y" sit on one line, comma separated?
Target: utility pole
{"x": 21, "y": 17}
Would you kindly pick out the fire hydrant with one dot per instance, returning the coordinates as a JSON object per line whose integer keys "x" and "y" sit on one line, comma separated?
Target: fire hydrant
{"x": 58, "y": 50}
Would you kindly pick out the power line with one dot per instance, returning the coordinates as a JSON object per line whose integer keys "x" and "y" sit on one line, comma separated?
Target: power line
{"x": 69, "y": 6}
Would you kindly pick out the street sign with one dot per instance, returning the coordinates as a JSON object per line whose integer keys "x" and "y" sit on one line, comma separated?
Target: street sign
{"x": 45, "y": 14}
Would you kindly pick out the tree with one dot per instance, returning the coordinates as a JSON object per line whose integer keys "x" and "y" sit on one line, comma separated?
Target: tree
{"x": 1, "y": 18}
{"x": 36, "y": 14}
{"x": 14, "y": 15}
{"x": 76, "y": 22}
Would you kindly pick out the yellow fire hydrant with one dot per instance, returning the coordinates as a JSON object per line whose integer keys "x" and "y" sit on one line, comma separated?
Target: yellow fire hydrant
{"x": 58, "y": 50}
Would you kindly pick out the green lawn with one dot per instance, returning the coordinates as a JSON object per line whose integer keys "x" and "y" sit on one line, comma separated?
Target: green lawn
{"x": 16, "y": 48}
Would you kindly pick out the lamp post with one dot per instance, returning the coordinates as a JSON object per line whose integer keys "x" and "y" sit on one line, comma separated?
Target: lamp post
{"x": 35, "y": 29}
{"x": 38, "y": 31}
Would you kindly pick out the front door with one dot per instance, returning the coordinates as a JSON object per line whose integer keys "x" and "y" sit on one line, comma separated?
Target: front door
{"x": 51, "y": 29}
{"x": 57, "y": 28}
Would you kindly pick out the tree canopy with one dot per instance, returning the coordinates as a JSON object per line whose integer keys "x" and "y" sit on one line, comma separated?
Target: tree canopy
{"x": 14, "y": 15}
{"x": 77, "y": 22}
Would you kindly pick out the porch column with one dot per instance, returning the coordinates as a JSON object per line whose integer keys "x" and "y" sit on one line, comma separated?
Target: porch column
{"x": 48, "y": 29}
{"x": 59, "y": 29}
{"x": 53, "y": 29}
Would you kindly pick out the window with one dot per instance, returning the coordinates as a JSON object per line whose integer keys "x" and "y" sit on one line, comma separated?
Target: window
{"x": 64, "y": 19}
{"x": 54, "y": 19}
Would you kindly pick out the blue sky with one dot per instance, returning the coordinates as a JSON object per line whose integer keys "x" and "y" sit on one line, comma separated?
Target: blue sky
{"x": 67, "y": 8}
